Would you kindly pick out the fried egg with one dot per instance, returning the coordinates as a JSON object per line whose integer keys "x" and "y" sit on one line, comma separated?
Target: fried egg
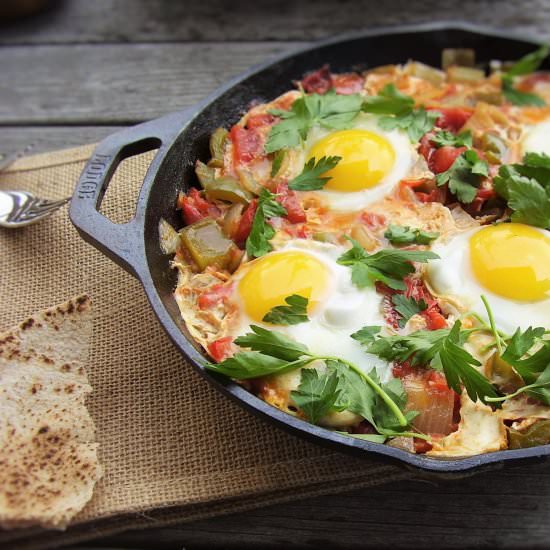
{"x": 536, "y": 138}
{"x": 509, "y": 263}
{"x": 336, "y": 307}
{"x": 372, "y": 162}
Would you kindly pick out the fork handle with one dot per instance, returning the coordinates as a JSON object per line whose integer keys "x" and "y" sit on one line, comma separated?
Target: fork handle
{"x": 123, "y": 243}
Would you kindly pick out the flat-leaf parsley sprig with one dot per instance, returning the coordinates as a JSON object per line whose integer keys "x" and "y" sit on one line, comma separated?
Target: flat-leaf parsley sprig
{"x": 526, "y": 188}
{"x": 312, "y": 177}
{"x": 388, "y": 266}
{"x": 526, "y": 65}
{"x": 344, "y": 386}
{"x": 402, "y": 113}
{"x": 332, "y": 111}
{"x": 257, "y": 243}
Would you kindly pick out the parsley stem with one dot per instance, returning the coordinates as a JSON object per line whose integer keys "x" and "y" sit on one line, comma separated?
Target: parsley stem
{"x": 492, "y": 323}
{"x": 509, "y": 396}
{"x": 385, "y": 397}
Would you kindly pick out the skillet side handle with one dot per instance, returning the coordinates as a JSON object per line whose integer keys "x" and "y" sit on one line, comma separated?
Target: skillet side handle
{"x": 122, "y": 243}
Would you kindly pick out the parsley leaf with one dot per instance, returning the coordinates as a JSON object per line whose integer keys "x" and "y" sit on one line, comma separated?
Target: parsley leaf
{"x": 517, "y": 97}
{"x": 277, "y": 162}
{"x": 516, "y": 354}
{"x": 272, "y": 343}
{"x": 526, "y": 188}
{"x": 387, "y": 266}
{"x": 252, "y": 364}
{"x": 390, "y": 101}
{"x": 331, "y": 110}
{"x": 367, "y": 334}
{"x": 464, "y": 176}
{"x": 316, "y": 393}
{"x": 400, "y": 234}
{"x": 292, "y": 314}
{"x": 257, "y": 243}
{"x": 458, "y": 366}
{"x": 407, "y": 307}
{"x": 444, "y": 137}
{"x": 310, "y": 179}
{"x": 527, "y": 64}
{"x": 416, "y": 122}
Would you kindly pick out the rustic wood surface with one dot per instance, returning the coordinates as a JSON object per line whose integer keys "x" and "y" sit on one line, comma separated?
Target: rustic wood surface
{"x": 80, "y": 70}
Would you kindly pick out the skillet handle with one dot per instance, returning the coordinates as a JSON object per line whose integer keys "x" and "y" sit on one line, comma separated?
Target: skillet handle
{"x": 123, "y": 243}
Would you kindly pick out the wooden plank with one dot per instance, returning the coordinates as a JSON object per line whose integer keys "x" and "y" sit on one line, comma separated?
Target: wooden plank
{"x": 157, "y": 20}
{"x": 46, "y": 138}
{"x": 116, "y": 84}
{"x": 503, "y": 509}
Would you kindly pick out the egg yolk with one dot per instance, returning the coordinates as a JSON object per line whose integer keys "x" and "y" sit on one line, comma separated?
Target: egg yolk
{"x": 512, "y": 260}
{"x": 272, "y": 278}
{"x": 365, "y": 159}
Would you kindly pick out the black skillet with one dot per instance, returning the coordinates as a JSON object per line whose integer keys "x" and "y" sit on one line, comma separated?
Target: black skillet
{"x": 182, "y": 137}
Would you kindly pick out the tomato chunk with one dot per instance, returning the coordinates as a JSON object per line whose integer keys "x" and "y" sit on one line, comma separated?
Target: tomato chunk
{"x": 434, "y": 319}
{"x": 195, "y": 208}
{"x": 247, "y": 144}
{"x": 373, "y": 220}
{"x": 221, "y": 349}
{"x": 452, "y": 118}
{"x": 245, "y": 223}
{"x": 288, "y": 198}
{"x": 318, "y": 82}
{"x": 443, "y": 158}
{"x": 258, "y": 121}
{"x": 214, "y": 296}
{"x": 349, "y": 83}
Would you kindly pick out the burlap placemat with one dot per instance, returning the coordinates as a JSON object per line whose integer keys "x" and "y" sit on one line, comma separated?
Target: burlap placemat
{"x": 172, "y": 447}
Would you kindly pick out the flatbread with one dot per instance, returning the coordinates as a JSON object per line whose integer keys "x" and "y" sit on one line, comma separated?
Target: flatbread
{"x": 48, "y": 456}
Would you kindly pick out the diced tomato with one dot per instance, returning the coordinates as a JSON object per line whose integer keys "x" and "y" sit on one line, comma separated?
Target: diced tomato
{"x": 442, "y": 159}
{"x": 435, "y": 195}
{"x": 258, "y": 121}
{"x": 245, "y": 223}
{"x": 299, "y": 231}
{"x": 195, "y": 208}
{"x": 436, "y": 381}
{"x": 401, "y": 370}
{"x": 221, "y": 349}
{"x": 452, "y": 118}
{"x": 318, "y": 82}
{"x": 247, "y": 144}
{"x": 214, "y": 295}
{"x": 288, "y": 198}
{"x": 426, "y": 147}
{"x": 349, "y": 83}
{"x": 529, "y": 83}
{"x": 482, "y": 196}
{"x": 373, "y": 220}
{"x": 434, "y": 319}
{"x": 422, "y": 446}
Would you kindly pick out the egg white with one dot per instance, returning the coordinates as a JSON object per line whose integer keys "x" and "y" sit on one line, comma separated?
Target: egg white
{"x": 345, "y": 310}
{"x": 537, "y": 138}
{"x": 405, "y": 157}
{"x": 452, "y": 276}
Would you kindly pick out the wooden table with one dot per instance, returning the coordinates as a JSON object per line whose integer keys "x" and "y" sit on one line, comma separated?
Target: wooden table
{"x": 79, "y": 71}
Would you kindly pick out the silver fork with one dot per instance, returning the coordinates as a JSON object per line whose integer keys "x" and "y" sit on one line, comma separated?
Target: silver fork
{"x": 19, "y": 208}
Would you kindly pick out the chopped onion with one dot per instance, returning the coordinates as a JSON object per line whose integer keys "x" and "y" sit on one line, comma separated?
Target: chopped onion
{"x": 169, "y": 237}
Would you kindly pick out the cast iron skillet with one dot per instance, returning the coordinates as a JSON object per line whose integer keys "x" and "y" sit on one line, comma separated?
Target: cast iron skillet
{"x": 182, "y": 137}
